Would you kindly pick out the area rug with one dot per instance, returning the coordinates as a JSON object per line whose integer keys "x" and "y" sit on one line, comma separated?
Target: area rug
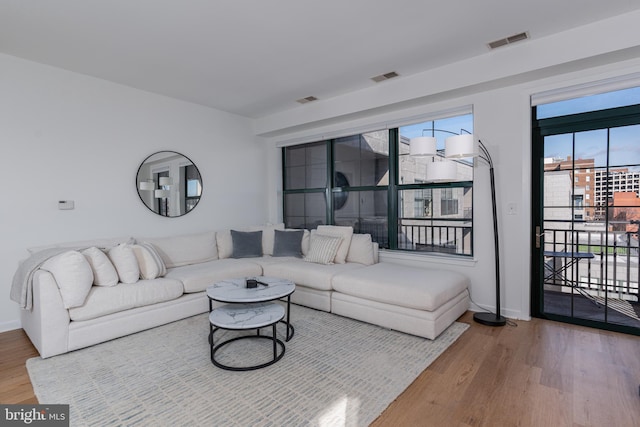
{"x": 335, "y": 372}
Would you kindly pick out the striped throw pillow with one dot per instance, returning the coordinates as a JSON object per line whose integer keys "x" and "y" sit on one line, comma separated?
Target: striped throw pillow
{"x": 149, "y": 261}
{"x": 323, "y": 249}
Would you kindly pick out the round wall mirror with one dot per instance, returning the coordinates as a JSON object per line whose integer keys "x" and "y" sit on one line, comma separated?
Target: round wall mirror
{"x": 169, "y": 183}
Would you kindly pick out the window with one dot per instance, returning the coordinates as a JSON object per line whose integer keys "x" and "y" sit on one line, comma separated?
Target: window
{"x": 193, "y": 187}
{"x": 352, "y": 180}
{"x": 448, "y": 204}
{"x": 305, "y": 175}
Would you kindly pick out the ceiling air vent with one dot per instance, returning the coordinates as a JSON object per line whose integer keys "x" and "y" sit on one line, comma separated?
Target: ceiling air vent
{"x": 307, "y": 99}
{"x": 508, "y": 40}
{"x": 385, "y": 76}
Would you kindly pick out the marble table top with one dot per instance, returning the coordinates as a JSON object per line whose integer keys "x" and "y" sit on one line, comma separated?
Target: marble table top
{"x": 246, "y": 316}
{"x": 235, "y": 290}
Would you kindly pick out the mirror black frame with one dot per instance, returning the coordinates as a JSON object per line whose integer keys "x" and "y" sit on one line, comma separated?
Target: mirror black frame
{"x": 151, "y": 182}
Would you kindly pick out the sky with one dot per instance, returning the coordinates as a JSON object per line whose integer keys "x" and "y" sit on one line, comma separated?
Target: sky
{"x": 453, "y": 124}
{"x": 618, "y": 98}
{"x": 624, "y": 146}
{"x": 624, "y": 142}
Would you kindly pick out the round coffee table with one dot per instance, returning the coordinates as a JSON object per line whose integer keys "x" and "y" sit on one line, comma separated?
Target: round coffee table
{"x": 240, "y": 317}
{"x": 235, "y": 291}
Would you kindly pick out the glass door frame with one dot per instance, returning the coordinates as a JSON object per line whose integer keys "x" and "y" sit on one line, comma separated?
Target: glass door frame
{"x": 609, "y": 118}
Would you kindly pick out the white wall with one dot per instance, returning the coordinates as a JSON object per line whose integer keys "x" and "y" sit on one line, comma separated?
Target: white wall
{"x": 68, "y": 136}
{"x": 498, "y": 86}
{"x": 65, "y": 136}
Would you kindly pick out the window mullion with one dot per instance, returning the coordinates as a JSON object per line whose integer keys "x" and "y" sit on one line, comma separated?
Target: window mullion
{"x": 392, "y": 197}
{"x": 329, "y": 188}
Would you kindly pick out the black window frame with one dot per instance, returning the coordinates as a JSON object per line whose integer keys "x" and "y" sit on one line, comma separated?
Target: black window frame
{"x": 393, "y": 189}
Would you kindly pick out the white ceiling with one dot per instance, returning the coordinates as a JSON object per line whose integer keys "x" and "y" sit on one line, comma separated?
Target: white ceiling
{"x": 256, "y": 57}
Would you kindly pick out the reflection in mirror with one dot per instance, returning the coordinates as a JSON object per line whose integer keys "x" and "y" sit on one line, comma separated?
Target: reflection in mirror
{"x": 169, "y": 183}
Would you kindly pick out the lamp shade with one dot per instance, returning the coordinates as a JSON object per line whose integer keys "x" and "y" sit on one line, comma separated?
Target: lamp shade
{"x": 147, "y": 185}
{"x": 443, "y": 171}
{"x": 161, "y": 194}
{"x": 422, "y": 146}
{"x": 165, "y": 180}
{"x": 460, "y": 146}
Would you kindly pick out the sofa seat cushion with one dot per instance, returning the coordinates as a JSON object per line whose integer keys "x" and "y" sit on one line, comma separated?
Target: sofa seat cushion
{"x": 411, "y": 287}
{"x": 103, "y": 300}
{"x": 309, "y": 274}
{"x": 197, "y": 277}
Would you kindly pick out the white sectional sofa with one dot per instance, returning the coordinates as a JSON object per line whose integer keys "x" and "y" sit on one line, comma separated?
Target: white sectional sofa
{"x": 354, "y": 284}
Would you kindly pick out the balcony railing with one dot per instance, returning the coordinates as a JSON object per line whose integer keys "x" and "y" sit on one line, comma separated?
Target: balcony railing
{"x": 442, "y": 235}
{"x": 612, "y": 270}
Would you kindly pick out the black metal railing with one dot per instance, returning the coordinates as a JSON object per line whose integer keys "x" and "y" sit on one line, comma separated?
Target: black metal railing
{"x": 451, "y": 236}
{"x": 601, "y": 262}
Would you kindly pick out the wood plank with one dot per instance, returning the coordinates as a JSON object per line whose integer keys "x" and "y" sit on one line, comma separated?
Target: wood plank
{"x": 537, "y": 373}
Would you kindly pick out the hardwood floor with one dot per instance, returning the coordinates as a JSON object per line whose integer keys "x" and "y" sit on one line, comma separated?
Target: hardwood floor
{"x": 15, "y": 386}
{"x": 538, "y": 373}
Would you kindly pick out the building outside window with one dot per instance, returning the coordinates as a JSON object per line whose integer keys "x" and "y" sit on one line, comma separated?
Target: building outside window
{"x": 370, "y": 182}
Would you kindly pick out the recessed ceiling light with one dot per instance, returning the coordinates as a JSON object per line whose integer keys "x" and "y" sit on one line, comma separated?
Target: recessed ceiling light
{"x": 508, "y": 40}
{"x": 385, "y": 76}
{"x": 307, "y": 99}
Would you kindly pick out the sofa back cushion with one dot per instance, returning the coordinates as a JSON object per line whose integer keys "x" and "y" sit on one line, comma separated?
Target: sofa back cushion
{"x": 186, "y": 249}
{"x": 268, "y": 235}
{"x": 84, "y": 244}
{"x": 225, "y": 244}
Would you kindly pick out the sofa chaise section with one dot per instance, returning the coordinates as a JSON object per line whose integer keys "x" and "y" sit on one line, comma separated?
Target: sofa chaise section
{"x": 417, "y": 301}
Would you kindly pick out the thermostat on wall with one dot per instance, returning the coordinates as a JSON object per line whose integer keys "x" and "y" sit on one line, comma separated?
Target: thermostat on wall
{"x": 65, "y": 204}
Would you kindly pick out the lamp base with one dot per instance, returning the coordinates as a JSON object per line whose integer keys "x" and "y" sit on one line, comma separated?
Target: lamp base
{"x": 490, "y": 319}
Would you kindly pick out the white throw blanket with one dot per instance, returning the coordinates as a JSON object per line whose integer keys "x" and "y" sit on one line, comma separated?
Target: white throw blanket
{"x": 22, "y": 285}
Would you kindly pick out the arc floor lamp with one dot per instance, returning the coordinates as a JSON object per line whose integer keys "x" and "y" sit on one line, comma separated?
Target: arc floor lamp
{"x": 464, "y": 146}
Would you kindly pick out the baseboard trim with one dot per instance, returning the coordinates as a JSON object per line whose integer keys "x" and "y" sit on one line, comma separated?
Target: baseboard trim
{"x": 10, "y": 325}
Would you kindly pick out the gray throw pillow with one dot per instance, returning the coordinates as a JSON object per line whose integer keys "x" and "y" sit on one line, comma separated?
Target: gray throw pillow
{"x": 288, "y": 243}
{"x": 246, "y": 244}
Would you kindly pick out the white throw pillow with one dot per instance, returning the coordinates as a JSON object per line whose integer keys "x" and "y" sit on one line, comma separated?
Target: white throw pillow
{"x": 306, "y": 241}
{"x": 125, "y": 262}
{"x": 146, "y": 263}
{"x": 361, "y": 249}
{"x": 104, "y": 273}
{"x": 73, "y": 275}
{"x": 149, "y": 261}
{"x": 323, "y": 249}
{"x": 345, "y": 233}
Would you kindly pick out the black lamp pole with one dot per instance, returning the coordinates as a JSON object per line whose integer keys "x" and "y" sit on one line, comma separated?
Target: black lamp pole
{"x": 491, "y": 319}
